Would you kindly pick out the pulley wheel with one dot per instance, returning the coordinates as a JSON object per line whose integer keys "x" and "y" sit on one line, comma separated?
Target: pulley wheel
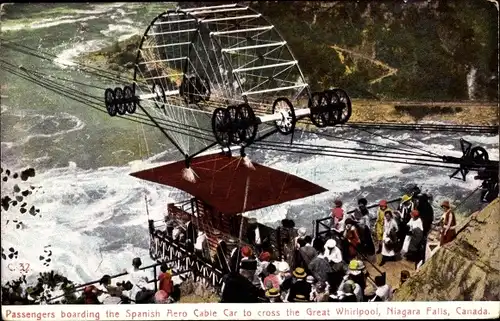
{"x": 283, "y": 107}
{"x": 346, "y": 111}
{"x": 319, "y": 111}
{"x": 335, "y": 107}
{"x": 120, "y": 106}
{"x": 235, "y": 120}
{"x": 109, "y": 99}
{"x": 221, "y": 126}
{"x": 479, "y": 154}
{"x": 249, "y": 124}
{"x": 130, "y": 103}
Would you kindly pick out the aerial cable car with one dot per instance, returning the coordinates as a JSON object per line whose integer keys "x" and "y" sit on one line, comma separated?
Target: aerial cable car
{"x": 225, "y": 77}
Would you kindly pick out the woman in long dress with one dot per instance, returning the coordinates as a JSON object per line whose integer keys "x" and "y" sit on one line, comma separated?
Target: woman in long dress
{"x": 413, "y": 240}
{"x": 449, "y": 223}
{"x": 389, "y": 238}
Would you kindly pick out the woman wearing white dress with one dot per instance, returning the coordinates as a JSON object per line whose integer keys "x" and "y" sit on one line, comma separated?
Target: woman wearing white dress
{"x": 389, "y": 238}
{"x": 413, "y": 239}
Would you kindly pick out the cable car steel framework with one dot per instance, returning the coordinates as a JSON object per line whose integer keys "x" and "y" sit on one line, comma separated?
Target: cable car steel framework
{"x": 240, "y": 107}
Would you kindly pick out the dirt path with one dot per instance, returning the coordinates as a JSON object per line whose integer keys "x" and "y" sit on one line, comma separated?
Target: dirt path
{"x": 390, "y": 70}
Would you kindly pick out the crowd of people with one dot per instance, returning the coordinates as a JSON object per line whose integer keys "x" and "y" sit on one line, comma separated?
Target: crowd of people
{"x": 330, "y": 267}
{"x": 138, "y": 289}
{"x": 327, "y": 268}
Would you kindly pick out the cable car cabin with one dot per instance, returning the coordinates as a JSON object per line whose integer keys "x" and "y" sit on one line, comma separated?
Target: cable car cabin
{"x": 224, "y": 189}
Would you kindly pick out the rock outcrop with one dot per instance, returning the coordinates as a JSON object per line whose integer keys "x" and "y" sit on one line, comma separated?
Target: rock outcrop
{"x": 120, "y": 56}
{"x": 467, "y": 269}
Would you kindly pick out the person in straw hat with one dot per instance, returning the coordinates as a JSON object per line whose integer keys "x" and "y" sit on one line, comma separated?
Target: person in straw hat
{"x": 448, "y": 224}
{"x": 300, "y": 286}
{"x": 345, "y": 293}
{"x": 357, "y": 275}
{"x": 273, "y": 295}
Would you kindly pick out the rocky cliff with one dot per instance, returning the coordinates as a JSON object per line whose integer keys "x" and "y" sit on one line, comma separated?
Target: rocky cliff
{"x": 464, "y": 270}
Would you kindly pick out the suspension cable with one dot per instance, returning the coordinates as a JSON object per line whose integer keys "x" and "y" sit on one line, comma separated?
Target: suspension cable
{"x": 94, "y": 99}
{"x": 91, "y": 104}
{"x": 390, "y": 139}
{"x": 85, "y": 99}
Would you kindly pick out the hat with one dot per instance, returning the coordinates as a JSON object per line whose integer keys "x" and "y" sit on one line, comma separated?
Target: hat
{"x": 300, "y": 298}
{"x": 362, "y": 201}
{"x": 415, "y": 213}
{"x": 405, "y": 198}
{"x": 246, "y": 251}
{"x": 333, "y": 254}
{"x": 382, "y": 203}
{"x": 446, "y": 204}
{"x": 348, "y": 287}
{"x": 299, "y": 273}
{"x": 310, "y": 279}
{"x": 302, "y": 231}
{"x": 330, "y": 244}
{"x": 338, "y": 203}
{"x": 355, "y": 267}
{"x": 265, "y": 256}
{"x": 338, "y": 213}
{"x": 283, "y": 267}
{"x": 137, "y": 262}
{"x": 106, "y": 279}
{"x": 272, "y": 293}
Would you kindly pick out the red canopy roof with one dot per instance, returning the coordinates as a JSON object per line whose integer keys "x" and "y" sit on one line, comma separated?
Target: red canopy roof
{"x": 221, "y": 183}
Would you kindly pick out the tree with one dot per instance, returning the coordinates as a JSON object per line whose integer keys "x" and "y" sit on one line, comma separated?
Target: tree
{"x": 23, "y": 290}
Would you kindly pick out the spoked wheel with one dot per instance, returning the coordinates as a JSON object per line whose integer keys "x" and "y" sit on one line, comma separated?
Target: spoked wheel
{"x": 120, "y": 106}
{"x": 249, "y": 124}
{"x": 334, "y": 107}
{"x": 130, "y": 103}
{"x": 221, "y": 126}
{"x": 283, "y": 107}
{"x": 235, "y": 119}
{"x": 479, "y": 154}
{"x": 109, "y": 99}
{"x": 319, "y": 114}
{"x": 346, "y": 110}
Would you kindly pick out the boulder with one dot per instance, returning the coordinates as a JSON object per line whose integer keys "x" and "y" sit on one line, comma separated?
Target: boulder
{"x": 466, "y": 269}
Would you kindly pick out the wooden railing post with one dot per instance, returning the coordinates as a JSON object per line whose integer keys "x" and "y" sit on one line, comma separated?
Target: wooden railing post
{"x": 155, "y": 278}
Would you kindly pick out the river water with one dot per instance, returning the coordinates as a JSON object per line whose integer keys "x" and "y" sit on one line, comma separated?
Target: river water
{"x": 92, "y": 213}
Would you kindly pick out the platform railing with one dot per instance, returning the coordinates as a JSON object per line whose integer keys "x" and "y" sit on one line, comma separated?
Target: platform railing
{"x": 155, "y": 279}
